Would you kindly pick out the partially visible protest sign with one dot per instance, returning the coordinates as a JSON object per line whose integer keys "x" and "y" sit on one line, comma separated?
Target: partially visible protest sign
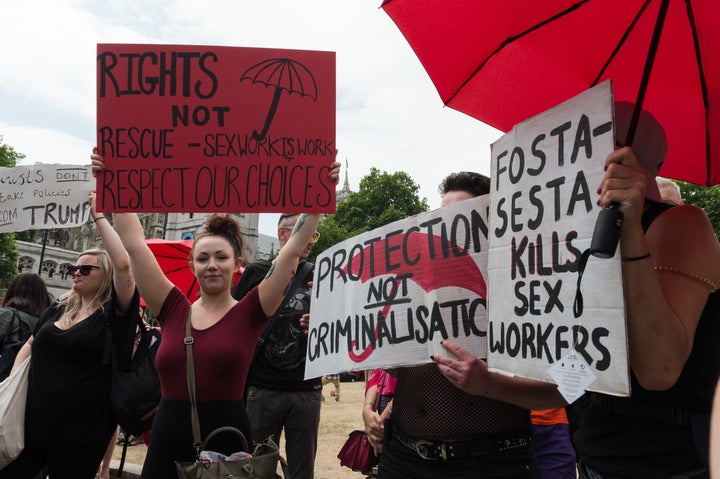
{"x": 44, "y": 196}
{"x": 545, "y": 173}
{"x": 388, "y": 297}
{"x": 186, "y": 128}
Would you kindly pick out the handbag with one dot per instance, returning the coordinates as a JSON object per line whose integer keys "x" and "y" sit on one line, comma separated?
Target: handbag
{"x": 135, "y": 393}
{"x": 265, "y": 457}
{"x": 13, "y": 394}
{"x": 357, "y": 453}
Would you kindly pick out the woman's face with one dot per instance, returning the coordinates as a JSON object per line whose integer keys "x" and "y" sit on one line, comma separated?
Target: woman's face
{"x": 214, "y": 263}
{"x": 87, "y": 284}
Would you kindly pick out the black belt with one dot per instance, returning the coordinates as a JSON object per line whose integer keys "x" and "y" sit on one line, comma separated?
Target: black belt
{"x": 439, "y": 450}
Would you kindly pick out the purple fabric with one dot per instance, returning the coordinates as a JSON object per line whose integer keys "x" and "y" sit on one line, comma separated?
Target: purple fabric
{"x": 554, "y": 451}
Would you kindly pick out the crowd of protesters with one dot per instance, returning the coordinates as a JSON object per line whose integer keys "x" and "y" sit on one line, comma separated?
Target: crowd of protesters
{"x": 452, "y": 418}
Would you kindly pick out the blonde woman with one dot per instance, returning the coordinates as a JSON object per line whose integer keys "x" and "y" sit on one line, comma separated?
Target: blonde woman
{"x": 68, "y": 421}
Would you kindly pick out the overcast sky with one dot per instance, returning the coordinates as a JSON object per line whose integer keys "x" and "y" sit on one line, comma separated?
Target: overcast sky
{"x": 389, "y": 114}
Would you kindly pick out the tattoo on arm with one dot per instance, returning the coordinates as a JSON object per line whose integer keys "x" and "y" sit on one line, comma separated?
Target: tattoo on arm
{"x": 300, "y": 222}
{"x": 270, "y": 271}
{"x": 287, "y": 287}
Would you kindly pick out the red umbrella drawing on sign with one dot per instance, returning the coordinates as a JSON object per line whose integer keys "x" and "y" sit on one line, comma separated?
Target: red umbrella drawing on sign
{"x": 439, "y": 264}
{"x": 173, "y": 256}
{"x": 282, "y": 74}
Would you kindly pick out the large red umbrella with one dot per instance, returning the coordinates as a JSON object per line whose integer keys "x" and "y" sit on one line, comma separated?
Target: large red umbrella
{"x": 503, "y": 61}
{"x": 172, "y": 256}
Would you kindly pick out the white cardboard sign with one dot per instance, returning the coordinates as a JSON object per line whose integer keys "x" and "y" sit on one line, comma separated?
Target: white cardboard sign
{"x": 387, "y": 297}
{"x": 545, "y": 175}
{"x": 44, "y": 196}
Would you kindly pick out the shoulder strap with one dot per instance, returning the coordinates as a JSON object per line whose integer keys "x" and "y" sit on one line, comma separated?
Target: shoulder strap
{"x": 16, "y": 317}
{"x": 8, "y": 334}
{"x": 303, "y": 270}
{"x": 22, "y": 321}
{"x": 653, "y": 210}
{"x": 190, "y": 371}
{"x": 110, "y": 352}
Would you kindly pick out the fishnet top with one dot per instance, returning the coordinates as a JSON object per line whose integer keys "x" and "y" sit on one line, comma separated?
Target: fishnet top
{"x": 427, "y": 406}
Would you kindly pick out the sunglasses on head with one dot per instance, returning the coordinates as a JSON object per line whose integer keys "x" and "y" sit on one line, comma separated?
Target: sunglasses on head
{"x": 85, "y": 269}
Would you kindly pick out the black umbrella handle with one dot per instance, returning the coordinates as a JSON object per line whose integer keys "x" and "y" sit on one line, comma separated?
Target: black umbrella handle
{"x": 269, "y": 118}
{"x": 607, "y": 226}
{"x": 607, "y": 232}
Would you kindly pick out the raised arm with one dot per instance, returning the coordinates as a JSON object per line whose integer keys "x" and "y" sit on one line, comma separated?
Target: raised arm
{"x": 122, "y": 277}
{"x": 151, "y": 281}
{"x": 272, "y": 289}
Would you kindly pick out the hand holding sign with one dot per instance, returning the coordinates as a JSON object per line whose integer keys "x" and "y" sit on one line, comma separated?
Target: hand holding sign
{"x": 212, "y": 136}
{"x": 466, "y": 372}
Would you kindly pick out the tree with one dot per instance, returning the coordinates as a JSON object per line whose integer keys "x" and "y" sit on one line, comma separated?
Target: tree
{"x": 8, "y": 248}
{"x": 707, "y": 198}
{"x": 381, "y": 199}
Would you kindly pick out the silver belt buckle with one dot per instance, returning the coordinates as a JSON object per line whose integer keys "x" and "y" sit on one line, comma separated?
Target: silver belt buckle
{"x": 428, "y": 450}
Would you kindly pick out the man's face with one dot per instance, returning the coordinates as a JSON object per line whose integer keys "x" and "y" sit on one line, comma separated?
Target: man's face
{"x": 454, "y": 196}
{"x": 285, "y": 231}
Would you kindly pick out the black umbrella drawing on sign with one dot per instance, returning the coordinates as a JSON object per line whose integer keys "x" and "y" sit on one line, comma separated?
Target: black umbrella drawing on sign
{"x": 283, "y": 74}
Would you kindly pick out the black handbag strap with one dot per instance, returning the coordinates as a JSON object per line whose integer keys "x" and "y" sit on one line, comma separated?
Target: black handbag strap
{"x": 110, "y": 348}
{"x": 303, "y": 271}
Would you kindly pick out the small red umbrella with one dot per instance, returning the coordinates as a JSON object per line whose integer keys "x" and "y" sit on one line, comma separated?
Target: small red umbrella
{"x": 173, "y": 256}
{"x": 504, "y": 61}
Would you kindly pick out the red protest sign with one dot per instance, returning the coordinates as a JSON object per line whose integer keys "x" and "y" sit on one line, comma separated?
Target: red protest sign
{"x": 186, "y": 128}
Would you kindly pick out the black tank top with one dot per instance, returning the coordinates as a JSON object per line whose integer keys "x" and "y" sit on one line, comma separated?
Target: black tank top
{"x": 650, "y": 438}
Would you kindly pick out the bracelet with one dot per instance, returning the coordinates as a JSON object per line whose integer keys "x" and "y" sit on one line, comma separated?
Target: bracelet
{"x": 635, "y": 258}
{"x": 95, "y": 220}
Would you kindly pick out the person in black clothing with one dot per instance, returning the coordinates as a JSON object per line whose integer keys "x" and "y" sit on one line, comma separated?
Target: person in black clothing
{"x": 27, "y": 293}
{"x": 442, "y": 426}
{"x": 25, "y": 300}
{"x": 68, "y": 420}
{"x": 277, "y": 396}
{"x": 671, "y": 272}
